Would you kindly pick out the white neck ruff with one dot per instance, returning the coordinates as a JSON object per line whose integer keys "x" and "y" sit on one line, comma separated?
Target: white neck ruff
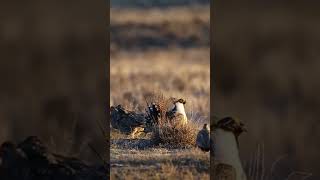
{"x": 180, "y": 110}
{"x": 226, "y": 151}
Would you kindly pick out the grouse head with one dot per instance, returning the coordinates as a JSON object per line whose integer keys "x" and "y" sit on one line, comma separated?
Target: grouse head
{"x": 231, "y": 124}
{"x": 182, "y": 101}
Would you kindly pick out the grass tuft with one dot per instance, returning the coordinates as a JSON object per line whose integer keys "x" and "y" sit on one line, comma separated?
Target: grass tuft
{"x": 175, "y": 135}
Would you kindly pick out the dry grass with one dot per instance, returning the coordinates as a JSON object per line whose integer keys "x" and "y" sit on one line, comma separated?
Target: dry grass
{"x": 159, "y": 163}
{"x": 140, "y": 158}
{"x": 177, "y": 73}
{"x": 164, "y": 171}
{"x": 175, "y": 134}
{"x": 156, "y": 16}
{"x": 256, "y": 168}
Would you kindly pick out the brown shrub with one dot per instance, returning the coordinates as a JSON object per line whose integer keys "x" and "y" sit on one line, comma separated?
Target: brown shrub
{"x": 175, "y": 134}
{"x": 169, "y": 131}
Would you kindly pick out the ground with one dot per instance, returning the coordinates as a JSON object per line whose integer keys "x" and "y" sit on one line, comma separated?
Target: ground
{"x": 138, "y": 159}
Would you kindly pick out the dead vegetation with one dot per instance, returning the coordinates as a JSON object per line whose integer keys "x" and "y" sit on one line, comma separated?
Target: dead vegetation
{"x": 155, "y": 163}
{"x": 175, "y": 134}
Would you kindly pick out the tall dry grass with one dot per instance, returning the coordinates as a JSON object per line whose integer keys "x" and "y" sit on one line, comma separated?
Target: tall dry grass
{"x": 256, "y": 169}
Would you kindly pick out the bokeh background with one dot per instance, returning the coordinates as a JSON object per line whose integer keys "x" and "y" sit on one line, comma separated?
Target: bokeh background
{"x": 53, "y": 74}
{"x": 160, "y": 47}
{"x": 265, "y": 72}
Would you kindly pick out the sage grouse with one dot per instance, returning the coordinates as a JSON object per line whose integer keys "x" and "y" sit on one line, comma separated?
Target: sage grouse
{"x": 178, "y": 112}
{"x": 126, "y": 121}
{"x": 225, "y": 147}
{"x": 158, "y": 112}
{"x": 203, "y": 139}
{"x": 153, "y": 114}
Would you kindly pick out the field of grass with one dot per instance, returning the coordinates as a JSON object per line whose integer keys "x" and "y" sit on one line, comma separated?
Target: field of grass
{"x": 159, "y": 51}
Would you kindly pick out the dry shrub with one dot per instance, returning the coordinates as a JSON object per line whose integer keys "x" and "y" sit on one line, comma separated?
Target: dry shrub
{"x": 170, "y": 131}
{"x": 256, "y": 169}
{"x": 175, "y": 135}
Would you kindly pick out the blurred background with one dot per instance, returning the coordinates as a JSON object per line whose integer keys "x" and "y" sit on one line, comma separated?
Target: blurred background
{"x": 156, "y": 3}
{"x": 53, "y": 74}
{"x": 266, "y": 72}
{"x": 160, "y": 47}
